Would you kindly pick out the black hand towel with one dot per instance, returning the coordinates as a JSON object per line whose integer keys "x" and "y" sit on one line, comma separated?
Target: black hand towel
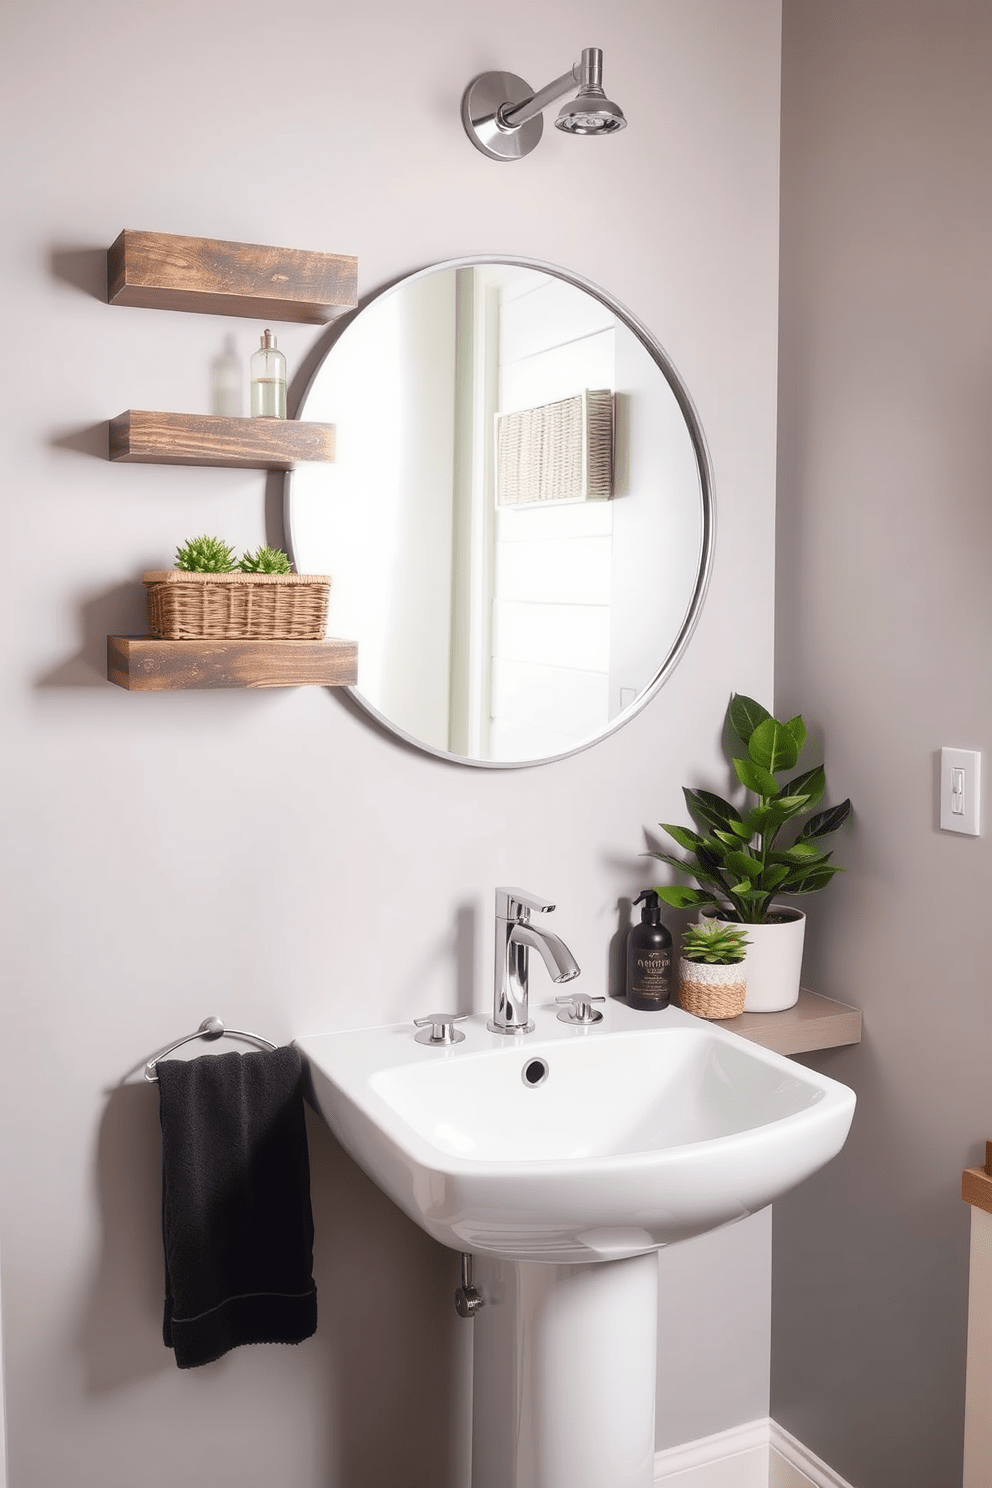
{"x": 236, "y": 1215}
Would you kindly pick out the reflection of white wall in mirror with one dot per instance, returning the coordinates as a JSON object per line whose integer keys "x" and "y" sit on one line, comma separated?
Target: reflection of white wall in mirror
{"x": 382, "y": 512}
{"x": 473, "y": 511}
{"x": 655, "y": 528}
{"x": 551, "y": 611}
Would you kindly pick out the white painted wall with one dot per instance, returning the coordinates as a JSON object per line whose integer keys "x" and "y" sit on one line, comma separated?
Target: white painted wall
{"x": 271, "y": 857}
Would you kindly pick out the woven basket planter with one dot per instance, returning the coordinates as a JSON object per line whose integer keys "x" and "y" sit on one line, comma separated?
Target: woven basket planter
{"x": 712, "y": 991}
{"x": 236, "y": 606}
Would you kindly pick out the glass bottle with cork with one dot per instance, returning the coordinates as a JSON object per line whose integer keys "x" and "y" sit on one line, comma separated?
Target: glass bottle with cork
{"x": 268, "y": 380}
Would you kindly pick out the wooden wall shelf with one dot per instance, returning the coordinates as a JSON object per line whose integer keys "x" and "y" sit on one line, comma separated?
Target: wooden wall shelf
{"x": 144, "y": 664}
{"x": 165, "y": 271}
{"x": 814, "y": 1023}
{"x": 207, "y": 439}
{"x": 976, "y": 1183}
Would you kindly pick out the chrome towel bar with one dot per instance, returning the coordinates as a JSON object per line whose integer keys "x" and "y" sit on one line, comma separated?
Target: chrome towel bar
{"x": 210, "y": 1028}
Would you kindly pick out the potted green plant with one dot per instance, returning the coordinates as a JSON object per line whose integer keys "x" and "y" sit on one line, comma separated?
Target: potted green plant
{"x": 738, "y": 860}
{"x": 712, "y": 971}
{"x": 210, "y": 595}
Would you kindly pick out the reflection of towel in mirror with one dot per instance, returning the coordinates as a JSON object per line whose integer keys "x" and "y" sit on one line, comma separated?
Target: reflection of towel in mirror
{"x": 236, "y": 1217}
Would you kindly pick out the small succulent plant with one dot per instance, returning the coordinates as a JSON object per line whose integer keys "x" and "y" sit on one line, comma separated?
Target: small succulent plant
{"x": 265, "y": 561}
{"x": 205, "y": 555}
{"x": 716, "y": 944}
{"x": 210, "y": 555}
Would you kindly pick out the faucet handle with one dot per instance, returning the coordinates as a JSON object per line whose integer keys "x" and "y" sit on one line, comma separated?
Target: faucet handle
{"x": 580, "y": 1009}
{"x": 515, "y": 904}
{"x": 439, "y": 1028}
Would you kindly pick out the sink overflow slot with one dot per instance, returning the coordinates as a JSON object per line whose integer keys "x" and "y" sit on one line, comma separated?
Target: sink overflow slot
{"x": 535, "y": 1072}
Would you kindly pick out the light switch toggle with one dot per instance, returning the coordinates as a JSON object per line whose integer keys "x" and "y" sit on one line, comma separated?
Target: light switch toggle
{"x": 960, "y": 790}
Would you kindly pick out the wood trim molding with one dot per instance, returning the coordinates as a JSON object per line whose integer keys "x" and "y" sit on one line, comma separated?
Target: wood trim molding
{"x": 976, "y": 1183}
{"x": 978, "y": 1374}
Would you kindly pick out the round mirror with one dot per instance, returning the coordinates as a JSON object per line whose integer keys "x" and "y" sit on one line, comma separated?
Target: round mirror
{"x": 518, "y": 521}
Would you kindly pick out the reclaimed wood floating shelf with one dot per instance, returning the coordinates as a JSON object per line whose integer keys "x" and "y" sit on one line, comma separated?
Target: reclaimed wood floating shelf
{"x": 165, "y": 271}
{"x": 976, "y": 1183}
{"x": 144, "y": 664}
{"x": 207, "y": 439}
{"x": 814, "y": 1023}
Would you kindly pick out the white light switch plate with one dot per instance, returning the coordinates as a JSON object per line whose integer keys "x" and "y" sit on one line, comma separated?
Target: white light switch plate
{"x": 960, "y": 790}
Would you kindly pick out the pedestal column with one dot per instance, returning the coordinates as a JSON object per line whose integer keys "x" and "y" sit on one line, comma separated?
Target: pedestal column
{"x": 564, "y": 1366}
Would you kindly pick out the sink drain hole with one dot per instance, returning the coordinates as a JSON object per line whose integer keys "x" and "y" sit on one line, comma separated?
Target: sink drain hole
{"x": 535, "y": 1072}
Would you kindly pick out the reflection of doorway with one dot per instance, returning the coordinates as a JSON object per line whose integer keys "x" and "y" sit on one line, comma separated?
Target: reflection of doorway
{"x": 534, "y": 679}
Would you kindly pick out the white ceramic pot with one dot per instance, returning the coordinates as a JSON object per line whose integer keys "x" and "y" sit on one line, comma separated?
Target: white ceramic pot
{"x": 774, "y": 958}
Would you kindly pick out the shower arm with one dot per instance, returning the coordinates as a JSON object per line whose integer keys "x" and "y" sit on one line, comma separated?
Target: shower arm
{"x": 587, "y": 72}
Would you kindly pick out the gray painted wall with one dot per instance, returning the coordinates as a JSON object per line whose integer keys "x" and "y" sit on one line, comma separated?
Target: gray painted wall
{"x": 884, "y": 610}
{"x": 169, "y": 856}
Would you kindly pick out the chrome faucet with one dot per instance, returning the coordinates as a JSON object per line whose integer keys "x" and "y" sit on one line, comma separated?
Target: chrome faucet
{"x": 515, "y": 936}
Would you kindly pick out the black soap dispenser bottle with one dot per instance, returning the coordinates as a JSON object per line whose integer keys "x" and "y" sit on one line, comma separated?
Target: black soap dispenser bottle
{"x": 649, "y": 958}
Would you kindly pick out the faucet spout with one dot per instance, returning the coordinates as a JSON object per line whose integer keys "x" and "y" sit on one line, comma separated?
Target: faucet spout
{"x": 515, "y": 938}
{"x": 562, "y": 965}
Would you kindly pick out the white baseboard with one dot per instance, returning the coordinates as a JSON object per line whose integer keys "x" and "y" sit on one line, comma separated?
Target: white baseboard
{"x": 729, "y": 1459}
{"x": 795, "y": 1466}
{"x": 759, "y": 1454}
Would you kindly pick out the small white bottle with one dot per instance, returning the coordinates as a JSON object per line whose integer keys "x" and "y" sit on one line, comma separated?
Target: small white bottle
{"x": 268, "y": 380}
{"x": 226, "y": 387}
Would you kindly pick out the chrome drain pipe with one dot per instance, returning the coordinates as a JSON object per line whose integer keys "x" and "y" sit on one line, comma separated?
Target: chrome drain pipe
{"x": 467, "y": 1299}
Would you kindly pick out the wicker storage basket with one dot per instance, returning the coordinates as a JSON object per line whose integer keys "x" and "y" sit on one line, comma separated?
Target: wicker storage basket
{"x": 712, "y": 991}
{"x": 236, "y": 606}
{"x": 559, "y": 452}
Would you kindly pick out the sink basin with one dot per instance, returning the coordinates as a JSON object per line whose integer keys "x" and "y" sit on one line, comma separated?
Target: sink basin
{"x": 561, "y": 1160}
{"x": 572, "y": 1145}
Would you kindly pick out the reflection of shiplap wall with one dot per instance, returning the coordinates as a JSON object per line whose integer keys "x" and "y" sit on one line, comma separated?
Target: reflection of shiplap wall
{"x": 551, "y": 600}
{"x": 657, "y": 532}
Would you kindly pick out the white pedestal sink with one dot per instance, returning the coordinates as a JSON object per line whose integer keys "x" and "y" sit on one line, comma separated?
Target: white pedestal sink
{"x": 562, "y": 1160}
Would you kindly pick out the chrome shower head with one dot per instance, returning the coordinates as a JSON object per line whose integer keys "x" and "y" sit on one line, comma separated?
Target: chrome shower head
{"x": 502, "y": 114}
{"x": 590, "y": 111}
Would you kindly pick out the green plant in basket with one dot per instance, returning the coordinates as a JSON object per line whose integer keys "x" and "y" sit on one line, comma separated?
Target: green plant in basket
{"x": 205, "y": 555}
{"x": 265, "y": 561}
{"x": 714, "y": 944}
{"x": 737, "y": 858}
